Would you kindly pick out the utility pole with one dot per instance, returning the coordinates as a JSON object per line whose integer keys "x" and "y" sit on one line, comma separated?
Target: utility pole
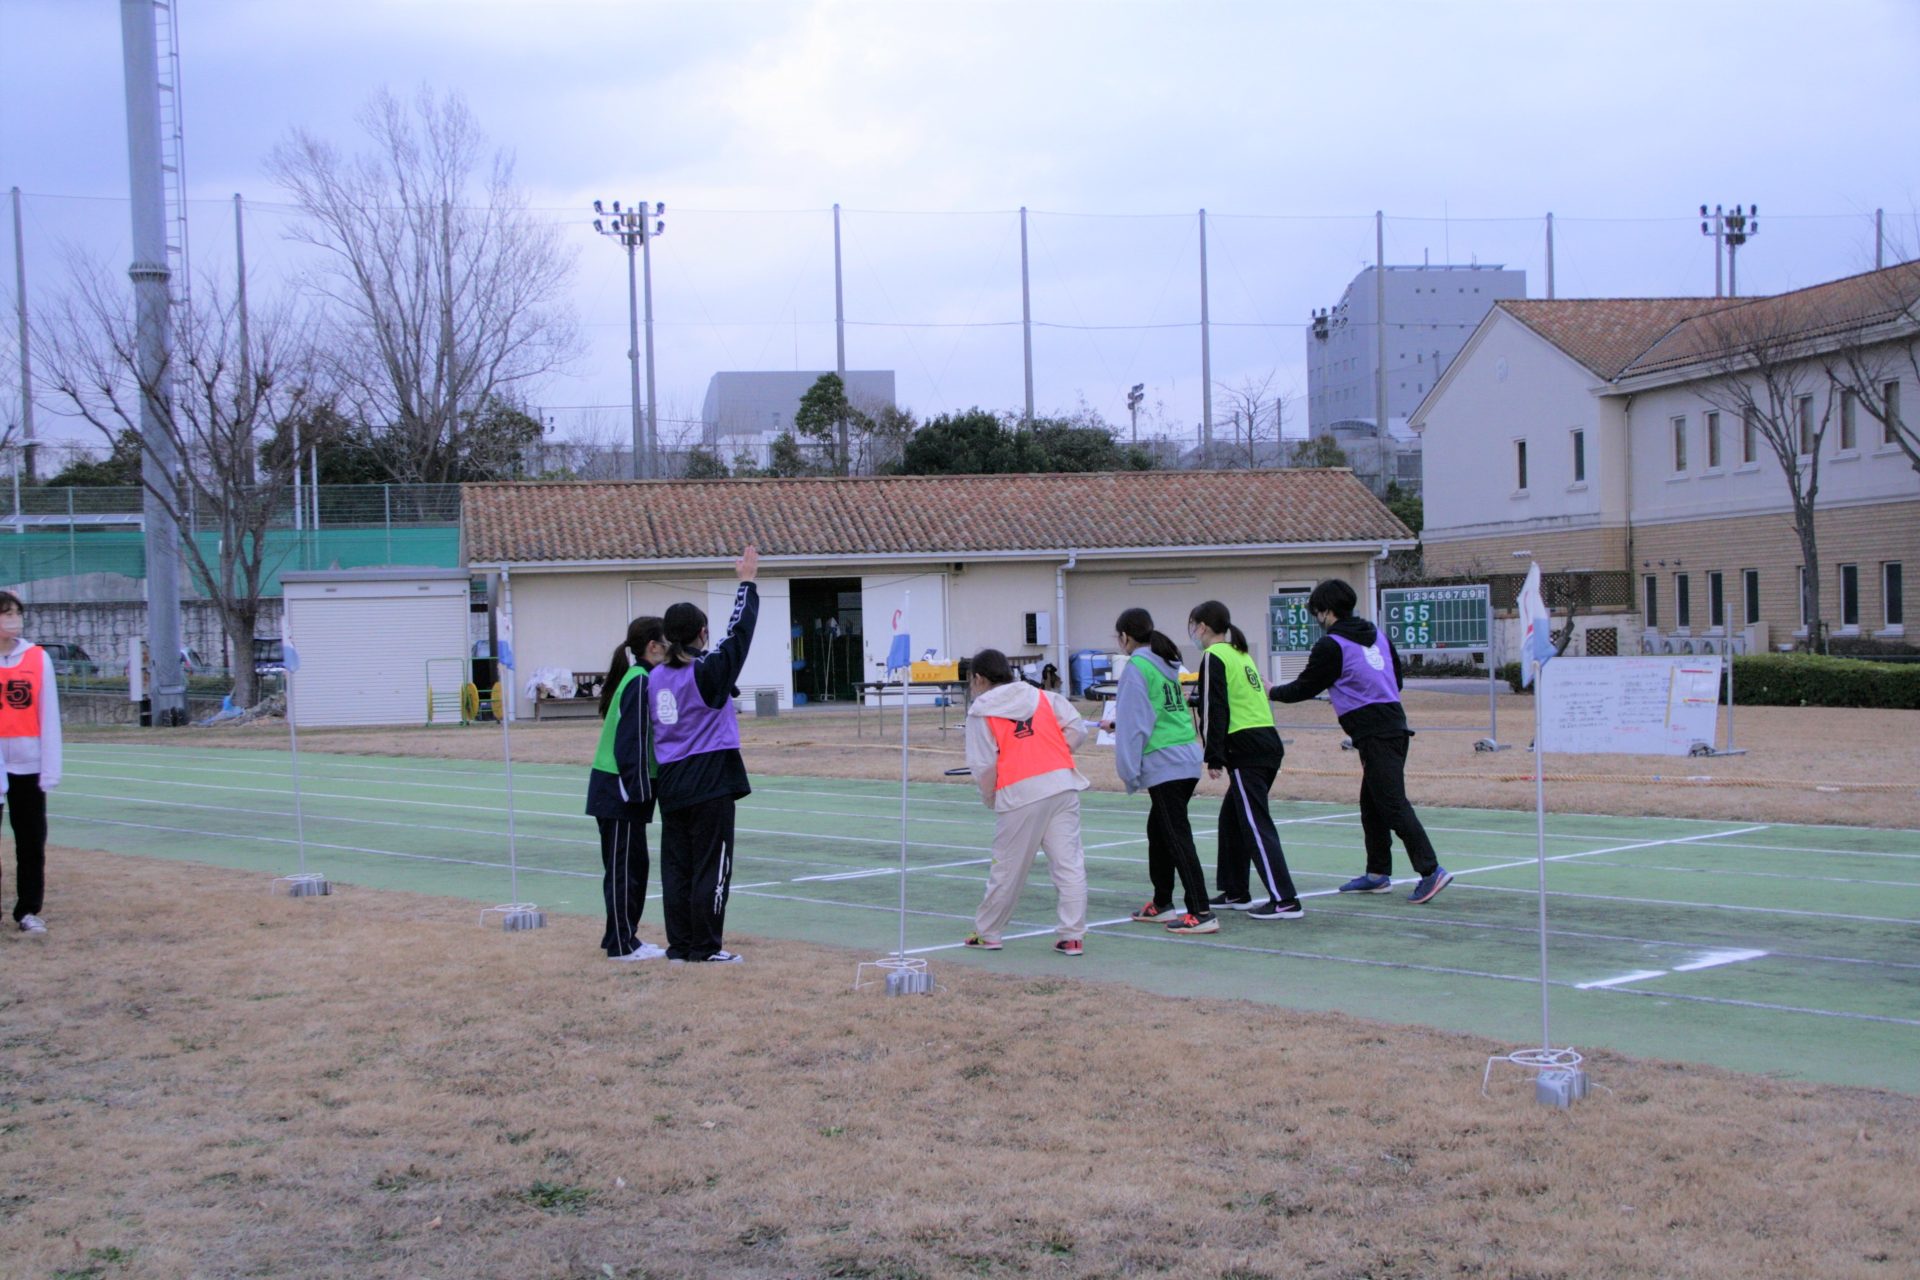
{"x": 1549, "y": 262}
{"x": 1026, "y": 314}
{"x": 26, "y": 359}
{"x": 1135, "y": 394}
{"x": 1206, "y": 356}
{"x": 244, "y": 406}
{"x": 1879, "y": 238}
{"x": 635, "y": 228}
{"x": 1729, "y": 231}
{"x": 153, "y": 304}
{"x": 839, "y": 307}
{"x": 1380, "y": 321}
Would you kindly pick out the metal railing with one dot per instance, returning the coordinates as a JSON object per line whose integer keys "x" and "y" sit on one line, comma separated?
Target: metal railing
{"x": 24, "y": 507}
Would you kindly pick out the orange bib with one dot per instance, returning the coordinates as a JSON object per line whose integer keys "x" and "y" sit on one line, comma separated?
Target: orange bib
{"x": 20, "y": 694}
{"x": 1029, "y": 747}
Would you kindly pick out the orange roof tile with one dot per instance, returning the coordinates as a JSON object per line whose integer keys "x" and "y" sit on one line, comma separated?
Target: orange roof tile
{"x": 1606, "y": 334}
{"x": 535, "y": 522}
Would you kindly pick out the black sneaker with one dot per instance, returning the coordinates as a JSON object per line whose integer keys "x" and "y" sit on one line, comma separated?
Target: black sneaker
{"x": 1283, "y": 909}
{"x": 1222, "y": 902}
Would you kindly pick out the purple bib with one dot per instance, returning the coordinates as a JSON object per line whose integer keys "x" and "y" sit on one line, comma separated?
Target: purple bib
{"x": 1366, "y": 675}
{"x": 683, "y": 724}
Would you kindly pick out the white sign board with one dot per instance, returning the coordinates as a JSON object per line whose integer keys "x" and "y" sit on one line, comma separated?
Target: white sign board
{"x": 1634, "y": 706}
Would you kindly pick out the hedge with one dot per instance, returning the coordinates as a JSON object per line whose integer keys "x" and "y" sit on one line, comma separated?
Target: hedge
{"x": 1807, "y": 680}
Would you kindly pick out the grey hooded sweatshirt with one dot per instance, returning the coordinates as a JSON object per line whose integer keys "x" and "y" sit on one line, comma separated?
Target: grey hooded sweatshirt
{"x": 1133, "y": 717}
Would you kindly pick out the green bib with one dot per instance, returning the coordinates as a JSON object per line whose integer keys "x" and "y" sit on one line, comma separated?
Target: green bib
{"x": 610, "y": 727}
{"x": 1172, "y": 722}
{"x": 1247, "y": 705}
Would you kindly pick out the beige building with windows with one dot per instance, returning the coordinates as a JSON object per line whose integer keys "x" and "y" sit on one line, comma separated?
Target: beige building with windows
{"x": 1035, "y": 565}
{"x": 1610, "y": 434}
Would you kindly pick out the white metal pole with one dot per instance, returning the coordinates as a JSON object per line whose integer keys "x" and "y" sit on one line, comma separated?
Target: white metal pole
{"x": 906, "y": 614}
{"x": 1026, "y": 314}
{"x": 293, "y": 750}
{"x": 1493, "y": 675}
{"x": 651, "y": 467}
{"x": 839, "y": 306}
{"x": 1540, "y": 838}
{"x": 506, "y": 747}
{"x": 1380, "y": 322}
{"x": 1549, "y": 261}
{"x": 633, "y": 359}
{"x": 26, "y": 360}
{"x": 1206, "y": 359}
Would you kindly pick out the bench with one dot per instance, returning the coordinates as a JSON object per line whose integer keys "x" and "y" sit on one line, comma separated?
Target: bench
{"x": 585, "y": 703}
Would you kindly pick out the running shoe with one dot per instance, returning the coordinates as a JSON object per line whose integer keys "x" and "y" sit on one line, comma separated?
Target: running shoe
{"x": 1208, "y": 923}
{"x": 1368, "y": 884}
{"x": 32, "y": 924}
{"x": 643, "y": 951}
{"x": 1069, "y": 947}
{"x": 1430, "y": 885}
{"x": 725, "y": 957}
{"x": 979, "y": 943}
{"x": 1223, "y": 902}
{"x": 1154, "y": 911}
{"x": 1280, "y": 909}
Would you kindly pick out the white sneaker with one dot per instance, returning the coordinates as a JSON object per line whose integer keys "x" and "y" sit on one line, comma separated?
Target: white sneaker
{"x": 725, "y": 957}
{"x": 643, "y": 951}
{"x": 32, "y": 924}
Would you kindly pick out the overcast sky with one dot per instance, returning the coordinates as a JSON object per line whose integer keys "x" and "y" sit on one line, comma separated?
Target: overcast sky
{"x": 931, "y": 123}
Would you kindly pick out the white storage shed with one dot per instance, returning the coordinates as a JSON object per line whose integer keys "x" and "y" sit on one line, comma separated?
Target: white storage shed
{"x": 365, "y": 638}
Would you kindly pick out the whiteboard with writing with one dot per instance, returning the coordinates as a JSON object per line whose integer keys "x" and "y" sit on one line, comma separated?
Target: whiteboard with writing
{"x": 1635, "y": 706}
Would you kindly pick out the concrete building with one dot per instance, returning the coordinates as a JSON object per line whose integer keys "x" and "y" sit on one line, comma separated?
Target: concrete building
{"x": 1035, "y": 565}
{"x": 1596, "y": 434}
{"x": 1430, "y": 313}
{"x": 746, "y": 411}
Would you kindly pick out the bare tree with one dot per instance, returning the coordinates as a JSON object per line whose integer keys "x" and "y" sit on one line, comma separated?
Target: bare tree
{"x": 1880, "y": 353}
{"x": 218, "y": 405}
{"x": 1766, "y": 377}
{"x": 1256, "y": 413}
{"x": 450, "y": 294}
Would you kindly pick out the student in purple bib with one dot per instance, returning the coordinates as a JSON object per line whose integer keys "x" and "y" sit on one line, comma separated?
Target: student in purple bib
{"x": 696, "y": 746}
{"x": 1356, "y": 662}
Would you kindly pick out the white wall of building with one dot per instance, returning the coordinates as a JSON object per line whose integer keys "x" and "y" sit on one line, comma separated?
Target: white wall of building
{"x": 364, "y": 644}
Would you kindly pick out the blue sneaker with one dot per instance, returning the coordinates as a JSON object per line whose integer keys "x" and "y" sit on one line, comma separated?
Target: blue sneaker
{"x": 1368, "y": 884}
{"x": 1430, "y": 885}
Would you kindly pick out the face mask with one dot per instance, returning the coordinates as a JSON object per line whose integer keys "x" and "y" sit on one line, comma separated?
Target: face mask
{"x": 11, "y": 624}
{"x": 1193, "y": 634}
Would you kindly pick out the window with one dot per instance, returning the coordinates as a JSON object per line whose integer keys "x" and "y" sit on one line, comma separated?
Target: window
{"x": 1749, "y": 438}
{"x": 1520, "y": 465}
{"x": 1849, "y": 440}
{"x": 1750, "y": 589}
{"x": 1850, "y": 596}
{"x": 1890, "y": 594}
{"x": 1803, "y": 416}
{"x": 1650, "y": 592}
{"x": 1579, "y": 457}
{"x": 1890, "y": 429}
{"x": 1682, "y": 601}
{"x": 1713, "y": 442}
{"x": 1717, "y": 601}
{"x": 1680, "y": 444}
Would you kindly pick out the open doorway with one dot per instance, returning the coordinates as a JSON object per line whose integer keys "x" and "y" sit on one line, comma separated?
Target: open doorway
{"x": 826, "y": 638}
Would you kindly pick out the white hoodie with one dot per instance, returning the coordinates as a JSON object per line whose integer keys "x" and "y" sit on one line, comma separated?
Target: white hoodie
{"x": 1019, "y": 701}
{"x": 39, "y": 755}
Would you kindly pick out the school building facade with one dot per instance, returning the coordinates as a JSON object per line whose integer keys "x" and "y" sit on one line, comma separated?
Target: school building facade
{"x": 1035, "y": 565}
{"x": 1600, "y": 435}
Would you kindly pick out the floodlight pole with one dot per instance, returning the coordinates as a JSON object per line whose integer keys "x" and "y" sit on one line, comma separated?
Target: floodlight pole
{"x": 635, "y": 227}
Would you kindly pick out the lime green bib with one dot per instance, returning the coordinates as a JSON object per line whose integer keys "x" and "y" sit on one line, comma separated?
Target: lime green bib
{"x": 610, "y": 727}
{"x": 1172, "y": 722}
{"x": 1247, "y": 705}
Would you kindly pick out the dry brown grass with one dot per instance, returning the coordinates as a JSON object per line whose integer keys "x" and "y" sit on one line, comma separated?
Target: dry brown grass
{"x": 199, "y": 1079}
{"x": 1868, "y": 761}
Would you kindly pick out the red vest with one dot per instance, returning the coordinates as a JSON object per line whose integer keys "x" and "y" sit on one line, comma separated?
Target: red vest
{"x": 1029, "y": 747}
{"x": 20, "y": 694}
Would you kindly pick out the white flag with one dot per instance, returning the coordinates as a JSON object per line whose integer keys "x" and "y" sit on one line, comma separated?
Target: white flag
{"x": 1536, "y": 639}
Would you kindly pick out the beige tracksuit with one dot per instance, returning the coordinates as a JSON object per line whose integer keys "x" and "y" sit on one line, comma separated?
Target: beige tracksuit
{"x": 1041, "y": 812}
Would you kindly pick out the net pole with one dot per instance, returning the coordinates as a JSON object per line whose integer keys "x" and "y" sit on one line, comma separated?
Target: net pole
{"x": 1540, "y": 839}
{"x": 1493, "y": 669}
{"x": 293, "y": 753}
{"x": 506, "y": 748}
{"x": 905, "y": 673}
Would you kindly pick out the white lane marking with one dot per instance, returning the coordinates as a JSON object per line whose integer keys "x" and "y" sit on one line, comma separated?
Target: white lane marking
{"x": 1704, "y": 906}
{"x": 1638, "y": 975}
{"x": 1714, "y": 959}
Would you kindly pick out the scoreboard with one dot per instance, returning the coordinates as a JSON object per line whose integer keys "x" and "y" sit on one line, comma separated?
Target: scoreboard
{"x": 1290, "y": 628}
{"x": 1428, "y": 618}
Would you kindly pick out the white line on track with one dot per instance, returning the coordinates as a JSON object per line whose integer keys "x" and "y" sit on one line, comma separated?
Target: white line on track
{"x": 1705, "y": 906}
{"x": 1638, "y": 975}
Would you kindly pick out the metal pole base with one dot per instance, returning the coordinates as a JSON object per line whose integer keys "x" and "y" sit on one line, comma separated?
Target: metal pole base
{"x": 1488, "y": 744}
{"x": 515, "y": 917}
{"x": 902, "y": 975}
{"x": 307, "y": 884}
{"x": 1708, "y": 749}
{"x": 1559, "y": 1080}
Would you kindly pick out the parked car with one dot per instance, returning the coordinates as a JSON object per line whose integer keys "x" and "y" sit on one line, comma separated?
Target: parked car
{"x": 70, "y": 659}
{"x": 268, "y": 655}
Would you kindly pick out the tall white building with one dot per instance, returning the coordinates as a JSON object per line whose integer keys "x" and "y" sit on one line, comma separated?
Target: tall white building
{"x": 1431, "y": 311}
{"x": 745, "y": 411}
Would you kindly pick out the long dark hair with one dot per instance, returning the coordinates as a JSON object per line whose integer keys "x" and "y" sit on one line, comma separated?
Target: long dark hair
{"x": 1213, "y": 615}
{"x": 683, "y": 624}
{"x": 1137, "y": 626}
{"x": 641, "y": 632}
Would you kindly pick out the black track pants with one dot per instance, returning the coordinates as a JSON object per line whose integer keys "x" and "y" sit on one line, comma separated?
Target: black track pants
{"x": 624, "y": 860}
{"x": 696, "y": 870}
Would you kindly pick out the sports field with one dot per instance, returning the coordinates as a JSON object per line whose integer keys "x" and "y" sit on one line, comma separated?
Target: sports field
{"x": 1759, "y": 946}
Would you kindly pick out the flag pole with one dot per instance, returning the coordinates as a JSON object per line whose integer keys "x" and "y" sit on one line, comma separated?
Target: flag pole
{"x": 304, "y": 883}
{"x": 515, "y": 915}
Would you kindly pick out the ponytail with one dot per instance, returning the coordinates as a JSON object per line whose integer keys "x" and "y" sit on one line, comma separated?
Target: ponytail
{"x": 641, "y": 632}
{"x": 1137, "y": 626}
{"x": 1213, "y": 615}
{"x": 681, "y": 629}
{"x": 1236, "y": 638}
